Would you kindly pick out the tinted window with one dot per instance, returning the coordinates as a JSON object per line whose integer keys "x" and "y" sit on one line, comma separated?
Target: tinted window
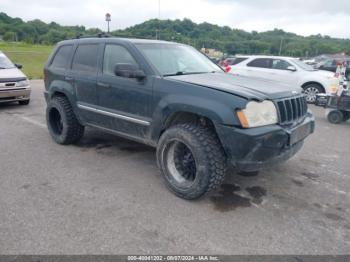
{"x": 260, "y": 62}
{"x": 62, "y": 56}
{"x": 237, "y": 60}
{"x": 280, "y": 64}
{"x": 116, "y": 54}
{"x": 85, "y": 58}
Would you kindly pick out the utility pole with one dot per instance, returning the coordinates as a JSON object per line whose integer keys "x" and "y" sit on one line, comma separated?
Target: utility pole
{"x": 158, "y": 31}
{"x": 108, "y": 19}
{"x": 281, "y": 43}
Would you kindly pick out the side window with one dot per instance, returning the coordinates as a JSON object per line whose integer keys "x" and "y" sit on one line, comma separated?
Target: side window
{"x": 237, "y": 60}
{"x": 85, "y": 58}
{"x": 260, "y": 62}
{"x": 61, "y": 57}
{"x": 115, "y": 54}
{"x": 280, "y": 64}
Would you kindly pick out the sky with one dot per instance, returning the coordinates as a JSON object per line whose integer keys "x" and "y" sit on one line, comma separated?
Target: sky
{"x": 304, "y": 17}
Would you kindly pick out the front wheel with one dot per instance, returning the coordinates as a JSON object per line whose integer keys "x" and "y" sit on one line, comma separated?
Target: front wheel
{"x": 62, "y": 123}
{"x": 311, "y": 92}
{"x": 191, "y": 160}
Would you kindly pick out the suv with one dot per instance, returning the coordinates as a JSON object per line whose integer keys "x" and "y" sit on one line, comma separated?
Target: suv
{"x": 290, "y": 71}
{"x": 14, "y": 85}
{"x": 172, "y": 97}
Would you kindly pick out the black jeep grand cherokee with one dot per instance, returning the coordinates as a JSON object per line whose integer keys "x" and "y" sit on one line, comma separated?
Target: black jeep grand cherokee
{"x": 172, "y": 97}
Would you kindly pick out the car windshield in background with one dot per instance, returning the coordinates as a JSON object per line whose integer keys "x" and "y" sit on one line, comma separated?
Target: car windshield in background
{"x": 172, "y": 59}
{"x": 5, "y": 63}
{"x": 304, "y": 66}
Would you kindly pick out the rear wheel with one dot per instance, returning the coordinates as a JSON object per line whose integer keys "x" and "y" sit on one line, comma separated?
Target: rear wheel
{"x": 335, "y": 117}
{"x": 24, "y": 102}
{"x": 311, "y": 91}
{"x": 191, "y": 160}
{"x": 62, "y": 123}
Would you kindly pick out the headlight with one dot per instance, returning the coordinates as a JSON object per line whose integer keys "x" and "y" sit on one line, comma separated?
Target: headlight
{"x": 258, "y": 114}
{"x": 333, "y": 88}
{"x": 22, "y": 83}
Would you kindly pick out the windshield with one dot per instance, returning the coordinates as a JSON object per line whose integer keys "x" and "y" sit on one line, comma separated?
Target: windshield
{"x": 5, "y": 63}
{"x": 304, "y": 66}
{"x": 172, "y": 59}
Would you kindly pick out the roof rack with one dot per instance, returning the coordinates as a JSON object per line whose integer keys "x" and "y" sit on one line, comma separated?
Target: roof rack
{"x": 99, "y": 35}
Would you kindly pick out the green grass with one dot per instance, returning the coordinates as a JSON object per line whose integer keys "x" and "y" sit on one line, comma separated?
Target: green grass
{"x": 32, "y": 57}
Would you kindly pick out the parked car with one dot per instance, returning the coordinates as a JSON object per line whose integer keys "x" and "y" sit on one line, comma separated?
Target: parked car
{"x": 288, "y": 70}
{"x": 14, "y": 85}
{"x": 331, "y": 65}
{"x": 172, "y": 97}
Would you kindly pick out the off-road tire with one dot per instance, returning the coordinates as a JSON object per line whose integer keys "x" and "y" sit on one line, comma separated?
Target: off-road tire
{"x": 24, "y": 102}
{"x": 70, "y": 130}
{"x": 208, "y": 154}
{"x": 335, "y": 117}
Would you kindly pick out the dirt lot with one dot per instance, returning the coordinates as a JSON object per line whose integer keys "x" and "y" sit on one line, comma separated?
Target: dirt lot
{"x": 105, "y": 196}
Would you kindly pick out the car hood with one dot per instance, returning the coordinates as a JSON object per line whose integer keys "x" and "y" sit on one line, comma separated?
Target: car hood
{"x": 323, "y": 73}
{"x": 248, "y": 87}
{"x": 11, "y": 74}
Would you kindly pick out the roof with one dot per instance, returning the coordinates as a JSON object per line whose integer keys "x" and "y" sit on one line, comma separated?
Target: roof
{"x": 119, "y": 39}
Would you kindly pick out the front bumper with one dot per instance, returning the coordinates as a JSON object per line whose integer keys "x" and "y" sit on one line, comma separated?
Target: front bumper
{"x": 14, "y": 94}
{"x": 255, "y": 148}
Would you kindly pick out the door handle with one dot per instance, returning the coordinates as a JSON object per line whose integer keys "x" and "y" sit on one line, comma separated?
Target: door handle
{"x": 68, "y": 78}
{"x": 103, "y": 85}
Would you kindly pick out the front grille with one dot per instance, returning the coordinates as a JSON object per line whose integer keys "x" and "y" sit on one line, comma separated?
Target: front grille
{"x": 291, "y": 110}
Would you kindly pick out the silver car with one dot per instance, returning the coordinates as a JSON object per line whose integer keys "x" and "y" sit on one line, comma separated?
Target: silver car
{"x": 14, "y": 85}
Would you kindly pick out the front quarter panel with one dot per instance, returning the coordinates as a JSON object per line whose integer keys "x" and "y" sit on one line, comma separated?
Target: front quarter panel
{"x": 171, "y": 97}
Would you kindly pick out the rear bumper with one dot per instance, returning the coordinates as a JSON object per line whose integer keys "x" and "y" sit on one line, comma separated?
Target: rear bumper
{"x": 256, "y": 148}
{"x": 14, "y": 94}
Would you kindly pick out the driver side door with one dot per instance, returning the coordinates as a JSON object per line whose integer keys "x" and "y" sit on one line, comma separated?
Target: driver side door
{"x": 124, "y": 103}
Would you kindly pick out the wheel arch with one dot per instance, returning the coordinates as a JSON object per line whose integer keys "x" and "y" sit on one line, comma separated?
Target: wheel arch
{"x": 314, "y": 83}
{"x": 183, "y": 117}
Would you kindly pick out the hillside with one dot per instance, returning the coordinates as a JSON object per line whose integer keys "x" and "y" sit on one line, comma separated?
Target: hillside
{"x": 224, "y": 38}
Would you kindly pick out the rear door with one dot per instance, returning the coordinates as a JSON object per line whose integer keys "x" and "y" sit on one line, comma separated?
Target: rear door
{"x": 259, "y": 67}
{"x": 83, "y": 75}
{"x": 124, "y": 103}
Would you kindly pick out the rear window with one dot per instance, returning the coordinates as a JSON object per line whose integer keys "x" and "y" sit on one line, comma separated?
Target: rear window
{"x": 260, "y": 62}
{"x": 62, "y": 56}
{"x": 85, "y": 58}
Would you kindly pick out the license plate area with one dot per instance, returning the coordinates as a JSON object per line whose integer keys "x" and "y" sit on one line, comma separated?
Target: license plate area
{"x": 299, "y": 133}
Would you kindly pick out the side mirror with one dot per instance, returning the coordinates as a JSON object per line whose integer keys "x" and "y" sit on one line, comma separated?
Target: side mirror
{"x": 19, "y": 66}
{"x": 291, "y": 68}
{"x": 129, "y": 71}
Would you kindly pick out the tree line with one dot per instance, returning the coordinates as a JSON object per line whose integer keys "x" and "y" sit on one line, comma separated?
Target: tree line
{"x": 224, "y": 38}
